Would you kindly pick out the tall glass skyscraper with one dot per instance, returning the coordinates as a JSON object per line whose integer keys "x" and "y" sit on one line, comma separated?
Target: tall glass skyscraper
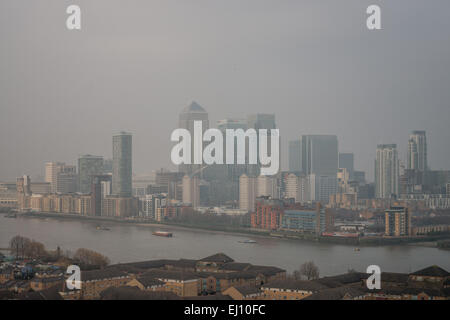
{"x": 122, "y": 164}
{"x": 315, "y": 154}
{"x": 260, "y": 121}
{"x": 191, "y": 113}
{"x": 88, "y": 166}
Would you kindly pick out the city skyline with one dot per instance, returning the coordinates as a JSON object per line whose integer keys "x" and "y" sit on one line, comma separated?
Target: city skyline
{"x": 380, "y": 85}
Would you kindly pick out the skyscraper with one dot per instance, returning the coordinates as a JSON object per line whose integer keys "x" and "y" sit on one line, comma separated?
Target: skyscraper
{"x": 122, "y": 164}
{"x": 191, "y": 113}
{"x": 233, "y": 171}
{"x": 417, "y": 151}
{"x": 260, "y": 121}
{"x": 386, "y": 171}
{"x": 295, "y": 156}
{"x": 247, "y": 193}
{"x": 88, "y": 166}
{"x": 191, "y": 190}
{"x": 318, "y": 154}
{"x": 346, "y": 161}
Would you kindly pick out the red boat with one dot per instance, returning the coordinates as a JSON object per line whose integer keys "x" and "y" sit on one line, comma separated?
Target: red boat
{"x": 162, "y": 234}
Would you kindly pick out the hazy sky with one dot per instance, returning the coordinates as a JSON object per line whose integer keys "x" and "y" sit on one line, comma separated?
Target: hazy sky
{"x": 136, "y": 64}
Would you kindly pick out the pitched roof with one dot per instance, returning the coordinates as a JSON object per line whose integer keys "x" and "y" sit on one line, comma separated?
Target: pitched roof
{"x": 149, "y": 281}
{"x": 101, "y": 274}
{"x": 193, "y": 107}
{"x": 394, "y": 277}
{"x": 170, "y": 274}
{"x": 338, "y": 293}
{"x": 149, "y": 264}
{"x": 228, "y": 275}
{"x": 248, "y": 290}
{"x": 433, "y": 271}
{"x": 303, "y": 285}
{"x": 235, "y": 266}
{"x": 218, "y": 257}
{"x": 346, "y": 278}
{"x": 134, "y": 293}
{"x": 265, "y": 270}
{"x": 51, "y": 293}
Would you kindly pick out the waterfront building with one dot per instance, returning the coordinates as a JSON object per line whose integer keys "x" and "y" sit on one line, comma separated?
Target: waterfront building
{"x": 268, "y": 213}
{"x": 306, "y": 220}
{"x": 397, "y": 222}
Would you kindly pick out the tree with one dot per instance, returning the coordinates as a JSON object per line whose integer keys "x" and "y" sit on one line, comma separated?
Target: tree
{"x": 35, "y": 249}
{"x": 18, "y": 245}
{"x": 87, "y": 258}
{"x": 308, "y": 270}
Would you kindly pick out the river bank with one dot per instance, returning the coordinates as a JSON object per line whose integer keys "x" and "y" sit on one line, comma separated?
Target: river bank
{"x": 429, "y": 241}
{"x": 131, "y": 242}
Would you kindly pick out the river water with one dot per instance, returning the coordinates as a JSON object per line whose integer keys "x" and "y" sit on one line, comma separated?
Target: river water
{"x": 127, "y": 243}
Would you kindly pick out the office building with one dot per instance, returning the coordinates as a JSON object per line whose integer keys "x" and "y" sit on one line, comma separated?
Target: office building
{"x": 260, "y": 121}
{"x": 61, "y": 177}
{"x": 321, "y": 187}
{"x": 346, "y": 161}
{"x": 318, "y": 154}
{"x": 190, "y": 114}
{"x": 122, "y": 165}
{"x": 295, "y": 156}
{"x": 88, "y": 166}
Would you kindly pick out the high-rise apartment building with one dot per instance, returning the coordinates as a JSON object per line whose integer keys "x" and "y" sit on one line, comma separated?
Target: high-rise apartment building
{"x": 122, "y": 165}
{"x": 247, "y": 193}
{"x": 191, "y": 190}
{"x": 296, "y": 187}
{"x": 386, "y": 171}
{"x": 397, "y": 222}
{"x": 266, "y": 186}
{"x": 417, "y": 151}
{"x": 88, "y": 167}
